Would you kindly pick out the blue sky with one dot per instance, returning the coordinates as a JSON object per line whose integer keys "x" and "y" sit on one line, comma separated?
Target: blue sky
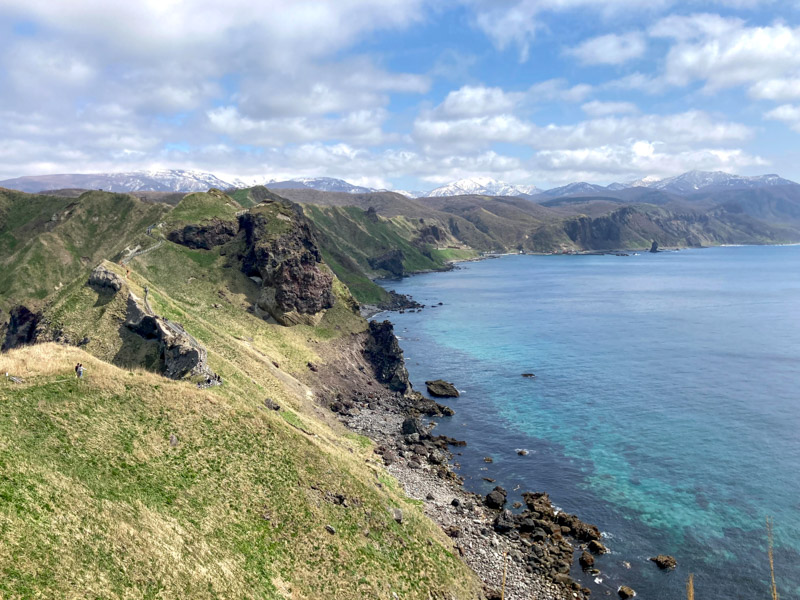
{"x": 405, "y": 94}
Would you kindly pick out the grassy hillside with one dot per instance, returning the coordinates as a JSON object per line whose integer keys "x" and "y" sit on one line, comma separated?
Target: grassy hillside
{"x": 351, "y": 240}
{"x": 129, "y": 485}
{"x": 126, "y": 485}
{"x": 45, "y": 241}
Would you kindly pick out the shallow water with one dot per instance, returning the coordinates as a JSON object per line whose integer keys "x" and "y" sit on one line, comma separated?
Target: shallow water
{"x": 665, "y": 408}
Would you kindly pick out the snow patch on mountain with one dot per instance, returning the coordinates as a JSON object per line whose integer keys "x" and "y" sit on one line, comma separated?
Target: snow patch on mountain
{"x": 483, "y": 186}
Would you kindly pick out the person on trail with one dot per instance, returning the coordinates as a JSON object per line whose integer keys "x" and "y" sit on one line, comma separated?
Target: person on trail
{"x": 80, "y": 371}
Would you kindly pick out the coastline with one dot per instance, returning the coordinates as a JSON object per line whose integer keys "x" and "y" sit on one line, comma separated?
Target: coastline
{"x": 421, "y": 465}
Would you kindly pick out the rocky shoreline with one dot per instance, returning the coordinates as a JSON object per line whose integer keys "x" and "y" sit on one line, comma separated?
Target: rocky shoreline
{"x": 532, "y": 550}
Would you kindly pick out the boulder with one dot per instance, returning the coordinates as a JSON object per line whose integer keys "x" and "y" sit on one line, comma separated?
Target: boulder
{"x": 664, "y": 561}
{"x": 596, "y": 547}
{"x": 496, "y": 498}
{"x": 654, "y": 247}
{"x": 586, "y": 560}
{"x": 412, "y": 426}
{"x": 104, "y": 279}
{"x": 504, "y": 522}
{"x": 625, "y": 592}
{"x": 441, "y": 388}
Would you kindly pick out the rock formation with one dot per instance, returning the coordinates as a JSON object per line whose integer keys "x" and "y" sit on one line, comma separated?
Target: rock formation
{"x": 206, "y": 236}
{"x": 386, "y": 357}
{"x": 21, "y": 329}
{"x": 441, "y": 388}
{"x": 281, "y": 250}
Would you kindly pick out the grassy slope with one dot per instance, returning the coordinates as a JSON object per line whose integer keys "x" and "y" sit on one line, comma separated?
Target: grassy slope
{"x": 38, "y": 254}
{"x": 349, "y": 238}
{"x": 96, "y": 502}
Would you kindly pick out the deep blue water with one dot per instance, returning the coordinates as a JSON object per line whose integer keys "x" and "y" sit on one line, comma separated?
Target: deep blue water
{"x": 666, "y": 407}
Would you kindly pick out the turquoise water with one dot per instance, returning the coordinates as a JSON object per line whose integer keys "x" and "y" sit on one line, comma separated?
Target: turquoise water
{"x": 666, "y": 407}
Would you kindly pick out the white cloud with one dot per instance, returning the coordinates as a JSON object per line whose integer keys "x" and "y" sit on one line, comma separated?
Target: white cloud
{"x": 596, "y": 108}
{"x": 779, "y": 90}
{"x": 558, "y": 90}
{"x": 723, "y": 52}
{"x": 515, "y": 23}
{"x": 787, "y": 113}
{"x": 610, "y": 49}
{"x": 477, "y": 101}
{"x": 627, "y": 161}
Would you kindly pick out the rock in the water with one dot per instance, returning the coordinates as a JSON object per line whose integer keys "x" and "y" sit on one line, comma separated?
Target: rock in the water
{"x": 529, "y": 375}
{"x": 654, "y": 247}
{"x": 664, "y": 561}
{"x": 496, "y": 498}
{"x": 596, "y": 547}
{"x": 441, "y": 388}
{"x": 386, "y": 357}
{"x": 586, "y": 560}
{"x": 625, "y": 592}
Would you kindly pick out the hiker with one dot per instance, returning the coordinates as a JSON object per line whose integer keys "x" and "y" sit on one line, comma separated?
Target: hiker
{"x": 77, "y": 368}
{"x": 80, "y": 370}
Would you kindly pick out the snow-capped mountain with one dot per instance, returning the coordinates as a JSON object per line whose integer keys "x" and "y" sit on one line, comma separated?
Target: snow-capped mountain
{"x": 696, "y": 181}
{"x": 165, "y": 180}
{"x": 573, "y": 189}
{"x": 326, "y": 184}
{"x": 483, "y": 186}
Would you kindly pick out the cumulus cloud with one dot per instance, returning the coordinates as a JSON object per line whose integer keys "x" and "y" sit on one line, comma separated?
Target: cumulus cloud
{"x": 724, "y": 52}
{"x": 610, "y": 49}
{"x": 477, "y": 101}
{"x": 788, "y": 113}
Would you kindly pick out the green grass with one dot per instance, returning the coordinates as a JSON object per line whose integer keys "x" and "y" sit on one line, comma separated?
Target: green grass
{"x": 201, "y": 206}
{"x": 94, "y": 497}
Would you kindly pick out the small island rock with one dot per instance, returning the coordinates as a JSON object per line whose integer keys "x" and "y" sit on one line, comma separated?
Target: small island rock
{"x": 442, "y": 388}
{"x": 625, "y": 592}
{"x": 664, "y": 561}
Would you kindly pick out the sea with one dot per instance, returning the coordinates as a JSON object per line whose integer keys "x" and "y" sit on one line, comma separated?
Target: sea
{"x": 665, "y": 406}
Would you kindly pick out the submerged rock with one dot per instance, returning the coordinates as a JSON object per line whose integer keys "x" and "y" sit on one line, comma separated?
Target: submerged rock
{"x": 442, "y": 388}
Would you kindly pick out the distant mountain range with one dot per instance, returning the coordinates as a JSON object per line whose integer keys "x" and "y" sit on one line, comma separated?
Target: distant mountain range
{"x": 178, "y": 180}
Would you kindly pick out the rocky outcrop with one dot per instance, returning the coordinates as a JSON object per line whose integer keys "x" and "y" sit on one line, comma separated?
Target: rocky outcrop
{"x": 104, "y": 279}
{"x": 654, "y": 247}
{"x": 386, "y": 357}
{"x": 391, "y": 261}
{"x": 206, "y": 235}
{"x": 441, "y": 388}
{"x": 181, "y": 354}
{"x": 21, "y": 329}
{"x": 281, "y": 250}
{"x": 625, "y": 592}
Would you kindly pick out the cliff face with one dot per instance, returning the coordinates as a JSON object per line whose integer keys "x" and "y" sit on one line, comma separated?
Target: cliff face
{"x": 206, "y": 236}
{"x": 281, "y": 251}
